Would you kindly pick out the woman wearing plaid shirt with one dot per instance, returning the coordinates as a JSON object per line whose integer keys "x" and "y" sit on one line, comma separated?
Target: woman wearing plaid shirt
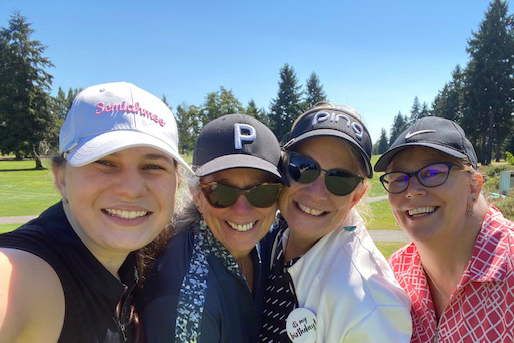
{"x": 459, "y": 268}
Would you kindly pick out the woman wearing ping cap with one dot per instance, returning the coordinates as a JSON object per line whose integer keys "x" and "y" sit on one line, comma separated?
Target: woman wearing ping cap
{"x": 328, "y": 281}
{"x": 459, "y": 268}
{"x": 67, "y": 276}
{"x": 206, "y": 285}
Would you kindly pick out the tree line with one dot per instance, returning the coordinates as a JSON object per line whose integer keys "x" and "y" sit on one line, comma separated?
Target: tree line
{"x": 479, "y": 97}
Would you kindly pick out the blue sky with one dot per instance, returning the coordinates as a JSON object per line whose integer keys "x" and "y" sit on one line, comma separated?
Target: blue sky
{"x": 375, "y": 56}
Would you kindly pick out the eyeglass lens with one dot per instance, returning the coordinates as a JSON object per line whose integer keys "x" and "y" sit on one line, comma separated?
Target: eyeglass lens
{"x": 429, "y": 176}
{"x": 220, "y": 195}
{"x": 304, "y": 169}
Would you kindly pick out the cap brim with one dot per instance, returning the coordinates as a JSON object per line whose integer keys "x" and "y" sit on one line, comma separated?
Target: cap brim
{"x": 386, "y": 158}
{"x": 237, "y": 161}
{"x": 339, "y": 134}
{"x": 92, "y": 148}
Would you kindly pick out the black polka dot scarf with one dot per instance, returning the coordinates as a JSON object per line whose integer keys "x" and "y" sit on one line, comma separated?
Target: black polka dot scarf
{"x": 279, "y": 299}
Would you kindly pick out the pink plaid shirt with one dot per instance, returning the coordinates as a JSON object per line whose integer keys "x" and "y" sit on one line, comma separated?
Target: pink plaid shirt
{"x": 481, "y": 308}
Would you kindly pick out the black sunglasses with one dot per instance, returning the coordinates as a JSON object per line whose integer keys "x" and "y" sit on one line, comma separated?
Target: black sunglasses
{"x": 432, "y": 175}
{"x": 220, "y": 195}
{"x": 304, "y": 169}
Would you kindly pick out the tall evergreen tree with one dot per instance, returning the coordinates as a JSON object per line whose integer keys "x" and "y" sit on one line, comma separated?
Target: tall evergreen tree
{"x": 288, "y": 103}
{"x": 424, "y": 112}
{"x": 165, "y": 101}
{"x": 414, "y": 112}
{"x": 314, "y": 92}
{"x": 252, "y": 109}
{"x": 489, "y": 81}
{"x": 448, "y": 102}
{"x": 188, "y": 128}
{"x": 400, "y": 124}
{"x": 382, "y": 142}
{"x": 26, "y": 117}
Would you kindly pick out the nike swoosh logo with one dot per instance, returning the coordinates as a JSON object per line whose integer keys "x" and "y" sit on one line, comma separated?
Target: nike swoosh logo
{"x": 410, "y": 134}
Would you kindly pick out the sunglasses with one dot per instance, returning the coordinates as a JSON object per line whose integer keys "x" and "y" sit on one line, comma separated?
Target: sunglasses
{"x": 432, "y": 175}
{"x": 304, "y": 169}
{"x": 220, "y": 195}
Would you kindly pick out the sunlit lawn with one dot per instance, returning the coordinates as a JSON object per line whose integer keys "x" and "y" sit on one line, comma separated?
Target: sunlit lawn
{"x": 25, "y": 191}
{"x": 387, "y": 248}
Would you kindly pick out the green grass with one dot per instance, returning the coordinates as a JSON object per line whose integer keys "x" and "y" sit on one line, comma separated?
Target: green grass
{"x": 8, "y": 227}
{"x": 25, "y": 191}
{"x": 376, "y": 187}
{"x": 388, "y": 248}
{"x": 381, "y": 217}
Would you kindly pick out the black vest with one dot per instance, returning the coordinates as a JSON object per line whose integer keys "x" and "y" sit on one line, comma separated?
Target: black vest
{"x": 91, "y": 292}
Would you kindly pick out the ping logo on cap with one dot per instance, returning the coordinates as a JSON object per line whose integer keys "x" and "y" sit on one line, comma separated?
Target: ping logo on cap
{"x": 239, "y": 136}
{"x": 323, "y": 116}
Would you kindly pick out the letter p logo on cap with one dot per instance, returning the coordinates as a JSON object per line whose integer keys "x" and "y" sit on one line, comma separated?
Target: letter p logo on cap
{"x": 239, "y": 136}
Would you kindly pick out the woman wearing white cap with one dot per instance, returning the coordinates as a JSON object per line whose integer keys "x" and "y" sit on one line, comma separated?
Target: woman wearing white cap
{"x": 206, "y": 285}
{"x": 459, "y": 268}
{"x": 328, "y": 281}
{"x": 67, "y": 276}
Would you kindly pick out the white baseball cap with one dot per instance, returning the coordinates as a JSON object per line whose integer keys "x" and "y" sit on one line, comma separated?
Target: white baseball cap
{"x": 110, "y": 117}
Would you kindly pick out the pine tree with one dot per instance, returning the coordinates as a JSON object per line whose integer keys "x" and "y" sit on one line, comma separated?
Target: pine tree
{"x": 399, "y": 125}
{"x": 382, "y": 142}
{"x": 424, "y": 112}
{"x": 27, "y": 119}
{"x": 252, "y": 109}
{"x": 489, "y": 81}
{"x": 188, "y": 128}
{"x": 288, "y": 104}
{"x": 448, "y": 102}
{"x": 165, "y": 101}
{"x": 414, "y": 112}
{"x": 314, "y": 91}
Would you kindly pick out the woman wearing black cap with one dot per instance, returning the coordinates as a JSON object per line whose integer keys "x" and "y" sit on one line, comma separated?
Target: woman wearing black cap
{"x": 328, "y": 282}
{"x": 206, "y": 285}
{"x": 459, "y": 268}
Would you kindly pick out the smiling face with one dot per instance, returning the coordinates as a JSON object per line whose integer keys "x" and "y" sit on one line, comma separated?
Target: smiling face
{"x": 121, "y": 201}
{"x": 241, "y": 226}
{"x": 426, "y": 213}
{"x": 310, "y": 210}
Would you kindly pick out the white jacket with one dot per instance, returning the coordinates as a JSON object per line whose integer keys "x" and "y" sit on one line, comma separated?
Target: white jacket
{"x": 347, "y": 283}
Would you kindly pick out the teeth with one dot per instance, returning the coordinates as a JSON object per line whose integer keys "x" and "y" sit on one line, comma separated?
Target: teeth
{"x": 241, "y": 227}
{"x": 126, "y": 214}
{"x": 421, "y": 210}
{"x": 310, "y": 211}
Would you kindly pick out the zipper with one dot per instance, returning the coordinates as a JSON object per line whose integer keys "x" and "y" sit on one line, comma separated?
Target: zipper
{"x": 123, "y": 313}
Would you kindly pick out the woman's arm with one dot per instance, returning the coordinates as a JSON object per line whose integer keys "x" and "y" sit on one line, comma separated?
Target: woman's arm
{"x": 31, "y": 299}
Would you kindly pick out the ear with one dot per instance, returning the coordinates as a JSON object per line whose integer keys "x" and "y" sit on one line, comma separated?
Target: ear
{"x": 475, "y": 186}
{"x": 358, "y": 193}
{"x": 60, "y": 180}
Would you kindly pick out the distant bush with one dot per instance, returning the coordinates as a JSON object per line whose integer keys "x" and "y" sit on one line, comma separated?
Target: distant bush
{"x": 491, "y": 176}
{"x": 510, "y": 158}
{"x": 505, "y": 205}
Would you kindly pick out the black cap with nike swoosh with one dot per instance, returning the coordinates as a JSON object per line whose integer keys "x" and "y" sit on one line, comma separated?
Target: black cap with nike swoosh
{"x": 433, "y": 132}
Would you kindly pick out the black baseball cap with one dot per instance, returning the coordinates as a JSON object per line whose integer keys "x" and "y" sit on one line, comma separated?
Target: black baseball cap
{"x": 236, "y": 141}
{"x": 433, "y": 132}
{"x": 336, "y": 121}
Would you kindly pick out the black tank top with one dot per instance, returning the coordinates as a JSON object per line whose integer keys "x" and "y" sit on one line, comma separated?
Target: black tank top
{"x": 91, "y": 292}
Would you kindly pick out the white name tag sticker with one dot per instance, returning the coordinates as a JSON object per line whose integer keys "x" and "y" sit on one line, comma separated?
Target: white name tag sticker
{"x": 301, "y": 326}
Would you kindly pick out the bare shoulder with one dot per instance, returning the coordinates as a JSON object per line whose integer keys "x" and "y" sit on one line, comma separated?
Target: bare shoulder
{"x": 31, "y": 298}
